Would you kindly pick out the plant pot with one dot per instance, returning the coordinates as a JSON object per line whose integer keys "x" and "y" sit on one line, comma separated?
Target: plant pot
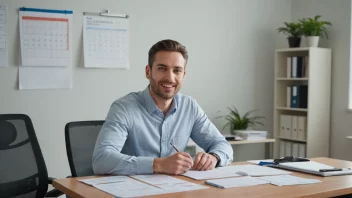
{"x": 312, "y": 41}
{"x": 294, "y": 41}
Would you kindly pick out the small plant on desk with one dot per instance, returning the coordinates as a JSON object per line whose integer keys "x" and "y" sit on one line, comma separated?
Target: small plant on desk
{"x": 241, "y": 123}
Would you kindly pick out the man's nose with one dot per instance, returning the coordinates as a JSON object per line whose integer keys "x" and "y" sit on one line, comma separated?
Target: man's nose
{"x": 170, "y": 76}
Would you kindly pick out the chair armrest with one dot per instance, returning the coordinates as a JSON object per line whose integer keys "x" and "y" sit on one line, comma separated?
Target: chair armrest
{"x": 54, "y": 193}
{"x": 50, "y": 180}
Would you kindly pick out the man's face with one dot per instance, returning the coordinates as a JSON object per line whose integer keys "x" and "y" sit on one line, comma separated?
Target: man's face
{"x": 167, "y": 73}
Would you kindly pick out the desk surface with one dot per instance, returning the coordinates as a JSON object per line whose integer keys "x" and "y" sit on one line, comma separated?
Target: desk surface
{"x": 330, "y": 186}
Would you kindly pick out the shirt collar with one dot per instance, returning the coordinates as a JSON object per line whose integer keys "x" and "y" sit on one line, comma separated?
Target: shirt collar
{"x": 151, "y": 106}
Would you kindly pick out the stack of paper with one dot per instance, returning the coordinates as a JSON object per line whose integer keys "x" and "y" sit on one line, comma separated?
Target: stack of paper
{"x": 235, "y": 182}
{"x": 253, "y": 170}
{"x": 210, "y": 174}
{"x": 286, "y": 180}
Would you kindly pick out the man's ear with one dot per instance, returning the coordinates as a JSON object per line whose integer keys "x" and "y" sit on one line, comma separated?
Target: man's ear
{"x": 148, "y": 69}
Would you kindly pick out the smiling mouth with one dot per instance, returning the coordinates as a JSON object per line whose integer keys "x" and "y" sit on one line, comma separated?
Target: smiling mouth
{"x": 167, "y": 86}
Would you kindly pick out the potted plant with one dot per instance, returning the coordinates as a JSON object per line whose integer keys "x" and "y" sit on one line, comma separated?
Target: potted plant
{"x": 293, "y": 30}
{"x": 312, "y": 29}
{"x": 240, "y": 123}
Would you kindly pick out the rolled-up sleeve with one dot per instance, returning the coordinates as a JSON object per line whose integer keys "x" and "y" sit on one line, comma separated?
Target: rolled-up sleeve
{"x": 208, "y": 137}
{"x": 107, "y": 156}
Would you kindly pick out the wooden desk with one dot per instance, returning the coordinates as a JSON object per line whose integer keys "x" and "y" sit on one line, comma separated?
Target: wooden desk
{"x": 329, "y": 187}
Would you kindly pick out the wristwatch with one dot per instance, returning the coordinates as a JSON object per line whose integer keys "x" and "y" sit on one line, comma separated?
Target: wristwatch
{"x": 217, "y": 157}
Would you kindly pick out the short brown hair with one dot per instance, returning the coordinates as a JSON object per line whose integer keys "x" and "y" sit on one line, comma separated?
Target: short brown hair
{"x": 166, "y": 45}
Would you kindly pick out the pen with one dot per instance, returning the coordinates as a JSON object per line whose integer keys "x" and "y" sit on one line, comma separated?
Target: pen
{"x": 174, "y": 147}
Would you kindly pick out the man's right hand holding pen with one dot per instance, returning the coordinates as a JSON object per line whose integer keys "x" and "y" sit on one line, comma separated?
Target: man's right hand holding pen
{"x": 181, "y": 162}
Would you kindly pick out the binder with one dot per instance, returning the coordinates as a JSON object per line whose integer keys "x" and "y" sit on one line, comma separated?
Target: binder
{"x": 299, "y": 66}
{"x": 306, "y": 66}
{"x": 288, "y": 125}
{"x": 295, "y": 151}
{"x": 288, "y": 67}
{"x": 294, "y": 127}
{"x": 294, "y": 97}
{"x": 302, "y": 127}
{"x": 294, "y": 67}
{"x": 302, "y": 150}
{"x": 303, "y": 96}
{"x": 288, "y": 148}
{"x": 282, "y": 148}
{"x": 282, "y": 126}
{"x": 288, "y": 96}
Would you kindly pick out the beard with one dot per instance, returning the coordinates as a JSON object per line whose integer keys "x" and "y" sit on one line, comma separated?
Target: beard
{"x": 158, "y": 89}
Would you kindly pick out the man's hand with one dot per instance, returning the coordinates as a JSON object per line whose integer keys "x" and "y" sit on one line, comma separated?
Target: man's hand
{"x": 204, "y": 162}
{"x": 176, "y": 164}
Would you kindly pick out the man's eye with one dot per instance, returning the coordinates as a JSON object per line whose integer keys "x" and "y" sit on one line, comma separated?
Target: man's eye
{"x": 161, "y": 68}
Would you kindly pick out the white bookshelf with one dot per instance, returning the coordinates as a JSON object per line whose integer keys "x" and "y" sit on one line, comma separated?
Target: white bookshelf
{"x": 316, "y": 138}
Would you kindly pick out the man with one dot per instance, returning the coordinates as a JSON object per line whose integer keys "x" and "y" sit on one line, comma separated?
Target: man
{"x": 145, "y": 132}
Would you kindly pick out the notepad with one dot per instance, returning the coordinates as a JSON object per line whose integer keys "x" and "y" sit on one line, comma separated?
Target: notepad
{"x": 235, "y": 182}
{"x": 253, "y": 170}
{"x": 210, "y": 174}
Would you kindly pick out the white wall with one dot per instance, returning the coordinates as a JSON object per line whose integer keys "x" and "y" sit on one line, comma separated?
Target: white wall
{"x": 339, "y": 13}
{"x": 231, "y": 46}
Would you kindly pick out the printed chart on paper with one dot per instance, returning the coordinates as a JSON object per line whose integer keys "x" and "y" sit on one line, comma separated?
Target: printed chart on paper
{"x": 3, "y": 39}
{"x": 105, "y": 41}
{"x": 45, "y": 38}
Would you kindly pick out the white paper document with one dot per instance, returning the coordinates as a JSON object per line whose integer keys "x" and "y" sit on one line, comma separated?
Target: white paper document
{"x": 235, "y": 182}
{"x": 123, "y": 186}
{"x": 210, "y": 174}
{"x": 45, "y": 77}
{"x": 129, "y": 188}
{"x": 104, "y": 180}
{"x": 287, "y": 180}
{"x": 105, "y": 42}
{"x": 169, "y": 184}
{"x": 253, "y": 170}
{"x": 3, "y": 37}
{"x": 46, "y": 37}
{"x": 158, "y": 179}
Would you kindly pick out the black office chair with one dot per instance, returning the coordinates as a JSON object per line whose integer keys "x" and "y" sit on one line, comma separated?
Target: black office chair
{"x": 23, "y": 171}
{"x": 80, "y": 141}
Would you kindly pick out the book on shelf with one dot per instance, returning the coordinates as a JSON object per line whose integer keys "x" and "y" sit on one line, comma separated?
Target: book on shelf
{"x": 290, "y": 148}
{"x": 293, "y": 127}
{"x": 297, "y": 67}
{"x": 297, "y": 96}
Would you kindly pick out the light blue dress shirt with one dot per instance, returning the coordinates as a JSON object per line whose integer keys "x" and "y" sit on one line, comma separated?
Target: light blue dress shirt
{"x": 136, "y": 131}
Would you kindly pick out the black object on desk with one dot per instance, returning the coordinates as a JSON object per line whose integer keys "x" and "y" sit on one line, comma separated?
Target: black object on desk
{"x": 290, "y": 159}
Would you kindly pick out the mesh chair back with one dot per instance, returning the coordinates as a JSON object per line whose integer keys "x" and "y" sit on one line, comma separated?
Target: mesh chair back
{"x": 80, "y": 141}
{"x": 22, "y": 168}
